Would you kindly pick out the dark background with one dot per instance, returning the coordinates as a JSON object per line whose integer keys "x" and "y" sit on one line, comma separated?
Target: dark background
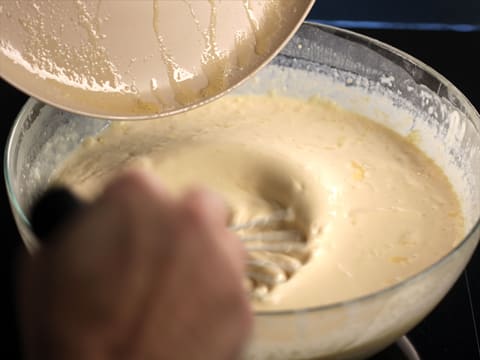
{"x": 415, "y": 12}
{"x": 451, "y": 331}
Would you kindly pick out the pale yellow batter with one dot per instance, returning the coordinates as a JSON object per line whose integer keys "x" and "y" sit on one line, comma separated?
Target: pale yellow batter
{"x": 372, "y": 208}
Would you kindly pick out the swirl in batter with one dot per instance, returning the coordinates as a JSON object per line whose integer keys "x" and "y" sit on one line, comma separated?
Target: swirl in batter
{"x": 372, "y": 209}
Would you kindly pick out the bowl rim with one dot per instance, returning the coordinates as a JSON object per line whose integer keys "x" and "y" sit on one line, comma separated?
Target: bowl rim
{"x": 16, "y": 208}
{"x": 346, "y": 35}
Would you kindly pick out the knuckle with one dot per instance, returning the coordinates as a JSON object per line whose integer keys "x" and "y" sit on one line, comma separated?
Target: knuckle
{"x": 195, "y": 209}
{"x": 127, "y": 182}
{"x": 207, "y": 205}
{"x": 129, "y": 190}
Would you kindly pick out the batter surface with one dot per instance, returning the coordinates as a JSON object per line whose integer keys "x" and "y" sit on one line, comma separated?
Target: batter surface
{"x": 372, "y": 208}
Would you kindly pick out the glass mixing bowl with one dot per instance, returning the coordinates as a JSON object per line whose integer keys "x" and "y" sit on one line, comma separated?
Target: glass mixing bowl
{"x": 360, "y": 74}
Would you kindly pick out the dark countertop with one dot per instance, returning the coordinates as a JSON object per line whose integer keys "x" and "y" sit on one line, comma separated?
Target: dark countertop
{"x": 451, "y": 330}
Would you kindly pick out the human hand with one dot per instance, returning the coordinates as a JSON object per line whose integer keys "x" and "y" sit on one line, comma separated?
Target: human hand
{"x": 137, "y": 274}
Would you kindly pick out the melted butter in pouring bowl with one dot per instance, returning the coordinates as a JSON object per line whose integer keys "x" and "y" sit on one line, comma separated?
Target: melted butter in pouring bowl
{"x": 139, "y": 59}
